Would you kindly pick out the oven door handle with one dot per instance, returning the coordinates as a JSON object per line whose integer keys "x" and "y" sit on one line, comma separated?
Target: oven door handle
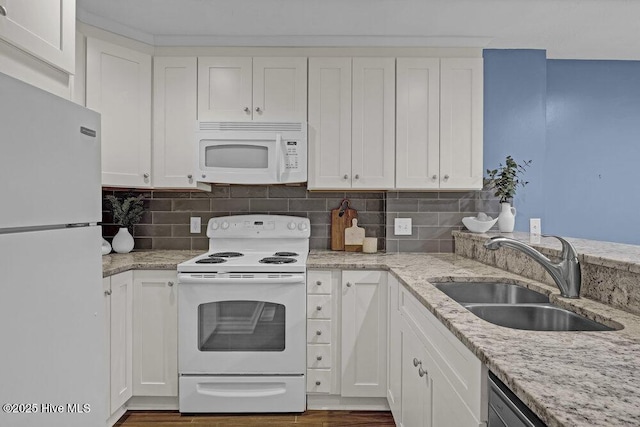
{"x": 197, "y": 278}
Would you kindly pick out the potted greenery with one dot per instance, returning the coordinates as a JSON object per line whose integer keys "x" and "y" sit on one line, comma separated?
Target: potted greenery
{"x": 505, "y": 180}
{"x": 127, "y": 212}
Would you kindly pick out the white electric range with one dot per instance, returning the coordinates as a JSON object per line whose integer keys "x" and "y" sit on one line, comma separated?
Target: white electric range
{"x": 242, "y": 317}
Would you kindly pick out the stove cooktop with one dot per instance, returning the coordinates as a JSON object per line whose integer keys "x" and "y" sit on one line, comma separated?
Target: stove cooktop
{"x": 271, "y": 261}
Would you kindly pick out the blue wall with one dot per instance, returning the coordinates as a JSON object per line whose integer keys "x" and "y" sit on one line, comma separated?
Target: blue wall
{"x": 579, "y": 121}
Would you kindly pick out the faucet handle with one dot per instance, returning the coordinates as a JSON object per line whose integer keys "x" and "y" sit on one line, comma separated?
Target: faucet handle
{"x": 568, "y": 251}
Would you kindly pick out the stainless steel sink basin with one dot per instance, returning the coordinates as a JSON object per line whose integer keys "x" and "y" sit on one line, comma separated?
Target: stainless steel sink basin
{"x": 490, "y": 292}
{"x": 534, "y": 317}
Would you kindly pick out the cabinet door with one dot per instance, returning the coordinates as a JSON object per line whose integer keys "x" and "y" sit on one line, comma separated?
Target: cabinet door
{"x": 364, "y": 334}
{"x": 394, "y": 350}
{"x": 45, "y": 29}
{"x": 417, "y": 391}
{"x": 329, "y": 123}
{"x": 280, "y": 89}
{"x": 224, "y": 89}
{"x": 174, "y": 122}
{"x": 373, "y": 123}
{"x": 461, "y": 123}
{"x": 106, "y": 288}
{"x": 155, "y": 314}
{"x": 119, "y": 88}
{"x": 121, "y": 338}
{"x": 418, "y": 123}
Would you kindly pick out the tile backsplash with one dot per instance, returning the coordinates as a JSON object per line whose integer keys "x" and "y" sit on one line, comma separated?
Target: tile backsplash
{"x": 165, "y": 224}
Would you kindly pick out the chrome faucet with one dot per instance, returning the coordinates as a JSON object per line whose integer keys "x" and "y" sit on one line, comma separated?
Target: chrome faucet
{"x": 566, "y": 273}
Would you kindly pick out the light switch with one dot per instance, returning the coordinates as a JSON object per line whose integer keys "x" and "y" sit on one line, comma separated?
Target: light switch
{"x": 402, "y": 227}
{"x": 195, "y": 225}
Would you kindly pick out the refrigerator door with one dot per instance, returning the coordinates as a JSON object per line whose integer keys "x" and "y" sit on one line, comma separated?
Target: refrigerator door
{"x": 53, "y": 357}
{"x": 50, "y": 162}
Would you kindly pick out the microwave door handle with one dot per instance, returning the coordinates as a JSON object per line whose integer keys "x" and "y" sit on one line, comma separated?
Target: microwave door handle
{"x": 278, "y": 157}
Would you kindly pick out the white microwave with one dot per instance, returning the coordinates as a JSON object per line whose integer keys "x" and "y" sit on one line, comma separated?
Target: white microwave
{"x": 252, "y": 152}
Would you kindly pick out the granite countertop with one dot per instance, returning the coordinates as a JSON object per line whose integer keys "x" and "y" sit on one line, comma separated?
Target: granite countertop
{"x": 566, "y": 378}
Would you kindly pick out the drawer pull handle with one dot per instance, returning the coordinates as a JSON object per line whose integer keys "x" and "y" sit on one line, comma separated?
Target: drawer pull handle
{"x": 318, "y": 383}
{"x": 319, "y": 283}
{"x": 318, "y": 333}
{"x": 422, "y": 372}
{"x": 319, "y": 308}
{"x": 417, "y": 362}
{"x": 318, "y": 358}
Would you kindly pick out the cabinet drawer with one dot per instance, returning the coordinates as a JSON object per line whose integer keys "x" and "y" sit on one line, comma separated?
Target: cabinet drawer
{"x": 458, "y": 364}
{"x": 319, "y": 331}
{"x": 319, "y": 306}
{"x": 318, "y": 380}
{"x": 319, "y": 356}
{"x": 319, "y": 282}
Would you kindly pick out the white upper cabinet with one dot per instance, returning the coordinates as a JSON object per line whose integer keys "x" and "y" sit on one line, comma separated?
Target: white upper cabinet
{"x": 45, "y": 29}
{"x": 351, "y": 123}
{"x": 461, "y": 123}
{"x": 261, "y": 89}
{"x": 174, "y": 122}
{"x": 439, "y": 123}
{"x": 119, "y": 88}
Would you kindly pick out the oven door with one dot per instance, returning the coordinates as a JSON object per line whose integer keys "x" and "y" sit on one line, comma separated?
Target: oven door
{"x": 251, "y": 324}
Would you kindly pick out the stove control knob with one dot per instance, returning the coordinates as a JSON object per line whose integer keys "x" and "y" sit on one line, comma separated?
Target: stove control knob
{"x": 214, "y": 225}
{"x": 225, "y": 225}
{"x": 292, "y": 225}
{"x": 302, "y": 226}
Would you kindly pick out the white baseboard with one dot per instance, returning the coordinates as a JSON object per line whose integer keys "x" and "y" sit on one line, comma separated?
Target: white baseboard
{"x": 116, "y": 415}
{"x": 152, "y": 403}
{"x": 335, "y": 402}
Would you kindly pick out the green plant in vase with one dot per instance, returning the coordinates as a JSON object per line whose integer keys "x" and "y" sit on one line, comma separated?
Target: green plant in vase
{"x": 127, "y": 212}
{"x": 505, "y": 180}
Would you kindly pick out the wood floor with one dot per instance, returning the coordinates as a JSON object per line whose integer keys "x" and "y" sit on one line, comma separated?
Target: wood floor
{"x": 307, "y": 419}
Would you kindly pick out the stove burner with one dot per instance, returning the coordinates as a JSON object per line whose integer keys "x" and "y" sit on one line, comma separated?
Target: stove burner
{"x": 277, "y": 260}
{"x": 227, "y": 254}
{"x": 211, "y": 260}
{"x": 287, "y": 254}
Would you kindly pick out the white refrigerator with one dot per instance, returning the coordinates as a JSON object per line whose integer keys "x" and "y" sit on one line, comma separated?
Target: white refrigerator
{"x": 52, "y": 334}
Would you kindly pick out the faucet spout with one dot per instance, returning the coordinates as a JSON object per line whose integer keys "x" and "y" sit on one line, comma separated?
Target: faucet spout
{"x": 566, "y": 274}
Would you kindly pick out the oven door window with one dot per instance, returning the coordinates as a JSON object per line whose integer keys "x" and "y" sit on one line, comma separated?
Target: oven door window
{"x": 241, "y": 326}
{"x": 237, "y": 156}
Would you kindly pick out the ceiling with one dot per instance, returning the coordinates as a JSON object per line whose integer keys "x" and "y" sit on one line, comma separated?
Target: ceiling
{"x": 575, "y": 29}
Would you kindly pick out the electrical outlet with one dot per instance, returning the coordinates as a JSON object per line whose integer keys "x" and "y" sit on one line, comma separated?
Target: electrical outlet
{"x": 402, "y": 227}
{"x": 535, "y": 226}
{"x": 195, "y": 226}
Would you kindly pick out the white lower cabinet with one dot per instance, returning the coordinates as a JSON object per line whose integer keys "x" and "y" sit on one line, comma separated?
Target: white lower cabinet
{"x": 155, "y": 332}
{"x": 442, "y": 382}
{"x": 118, "y": 291}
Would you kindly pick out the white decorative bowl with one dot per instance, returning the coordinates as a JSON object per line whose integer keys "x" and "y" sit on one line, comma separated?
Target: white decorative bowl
{"x": 476, "y": 226}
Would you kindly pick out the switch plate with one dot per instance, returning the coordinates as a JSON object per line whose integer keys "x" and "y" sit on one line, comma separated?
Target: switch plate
{"x": 535, "y": 226}
{"x": 195, "y": 226}
{"x": 402, "y": 226}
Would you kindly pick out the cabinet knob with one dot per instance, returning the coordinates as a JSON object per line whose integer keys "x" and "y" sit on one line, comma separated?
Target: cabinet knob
{"x": 107, "y": 292}
{"x": 434, "y": 177}
{"x": 190, "y": 176}
{"x": 421, "y": 372}
{"x": 258, "y": 110}
{"x": 247, "y": 110}
{"x": 318, "y": 383}
{"x": 319, "y": 283}
{"x": 146, "y": 175}
{"x": 318, "y": 357}
{"x": 348, "y": 284}
{"x": 319, "y": 308}
{"x": 346, "y": 176}
{"x": 170, "y": 283}
{"x": 3, "y": 10}
{"x": 416, "y": 362}
{"x": 446, "y": 177}
{"x": 318, "y": 333}
{"x": 357, "y": 176}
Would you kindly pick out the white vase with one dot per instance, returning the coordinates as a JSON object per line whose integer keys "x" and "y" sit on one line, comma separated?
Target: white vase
{"x": 123, "y": 241}
{"x": 507, "y": 218}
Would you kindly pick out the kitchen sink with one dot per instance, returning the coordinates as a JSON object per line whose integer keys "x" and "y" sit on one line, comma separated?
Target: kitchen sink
{"x": 490, "y": 292}
{"x": 516, "y": 307}
{"x": 534, "y": 317}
